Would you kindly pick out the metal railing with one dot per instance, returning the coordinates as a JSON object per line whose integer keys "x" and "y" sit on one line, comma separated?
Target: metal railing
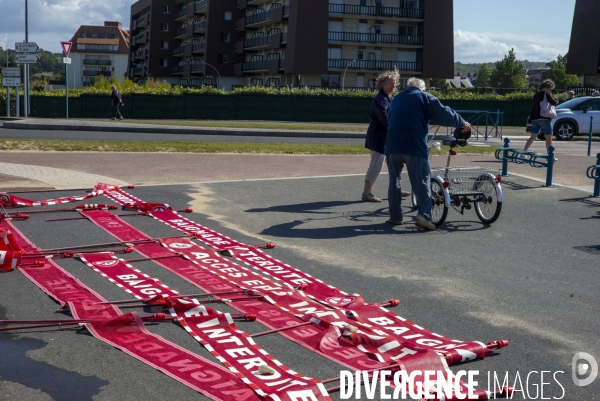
{"x": 94, "y": 73}
{"x": 178, "y": 69}
{"x": 200, "y": 4}
{"x": 393, "y": 12}
{"x": 374, "y": 65}
{"x": 261, "y": 65}
{"x": 179, "y": 50}
{"x": 96, "y": 62}
{"x": 198, "y": 47}
{"x": 199, "y": 25}
{"x": 180, "y": 32}
{"x": 410, "y": 40}
{"x": 283, "y": 37}
{"x": 143, "y": 20}
{"x": 259, "y": 41}
{"x": 198, "y": 67}
{"x": 181, "y": 13}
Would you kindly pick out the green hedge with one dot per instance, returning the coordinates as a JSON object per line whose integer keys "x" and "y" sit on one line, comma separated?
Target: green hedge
{"x": 190, "y": 106}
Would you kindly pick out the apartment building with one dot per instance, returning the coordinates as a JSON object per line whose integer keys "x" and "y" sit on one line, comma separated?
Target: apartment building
{"x": 324, "y": 43}
{"x": 98, "y": 51}
{"x": 584, "y": 47}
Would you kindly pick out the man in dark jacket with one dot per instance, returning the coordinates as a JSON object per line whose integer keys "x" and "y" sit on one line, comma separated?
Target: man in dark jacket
{"x": 410, "y": 113}
{"x": 116, "y": 100}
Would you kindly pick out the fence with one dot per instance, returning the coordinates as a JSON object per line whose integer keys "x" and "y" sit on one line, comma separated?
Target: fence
{"x": 249, "y": 107}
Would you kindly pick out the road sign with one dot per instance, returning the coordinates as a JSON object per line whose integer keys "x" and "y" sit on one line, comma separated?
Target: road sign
{"x": 11, "y": 81}
{"x": 66, "y": 47}
{"x": 11, "y": 71}
{"x": 67, "y": 60}
{"x": 29, "y": 47}
{"x": 26, "y": 58}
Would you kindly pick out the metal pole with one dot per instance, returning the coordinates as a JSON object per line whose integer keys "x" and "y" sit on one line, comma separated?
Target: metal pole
{"x": 550, "y": 167}
{"x": 344, "y": 78}
{"x": 17, "y": 111}
{"x": 67, "y": 90}
{"x": 26, "y": 94}
{"x": 505, "y": 158}
{"x": 590, "y": 135}
{"x": 218, "y": 75}
{"x": 597, "y": 177}
{"x": 7, "y": 88}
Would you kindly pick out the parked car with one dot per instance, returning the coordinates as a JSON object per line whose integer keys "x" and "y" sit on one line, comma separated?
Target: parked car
{"x": 573, "y": 118}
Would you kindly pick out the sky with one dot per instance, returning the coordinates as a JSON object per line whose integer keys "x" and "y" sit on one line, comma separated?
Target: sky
{"x": 484, "y": 30}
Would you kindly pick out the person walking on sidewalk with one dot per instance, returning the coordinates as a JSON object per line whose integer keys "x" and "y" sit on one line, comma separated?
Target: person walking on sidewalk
{"x": 377, "y": 131}
{"x": 410, "y": 113}
{"x": 117, "y": 100}
{"x": 537, "y": 121}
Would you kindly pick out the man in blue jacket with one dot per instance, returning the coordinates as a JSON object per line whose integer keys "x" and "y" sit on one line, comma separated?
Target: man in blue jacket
{"x": 410, "y": 113}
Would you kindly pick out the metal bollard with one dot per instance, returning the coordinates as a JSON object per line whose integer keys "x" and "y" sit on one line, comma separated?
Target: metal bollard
{"x": 597, "y": 178}
{"x": 550, "y": 167}
{"x": 505, "y": 158}
{"x": 590, "y": 135}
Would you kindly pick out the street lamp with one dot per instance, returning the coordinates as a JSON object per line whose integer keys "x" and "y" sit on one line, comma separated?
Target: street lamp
{"x": 344, "y": 78}
{"x": 7, "y": 88}
{"x": 219, "y": 75}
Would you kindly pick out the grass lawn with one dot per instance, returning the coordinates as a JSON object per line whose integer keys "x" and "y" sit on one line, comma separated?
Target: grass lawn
{"x": 202, "y": 147}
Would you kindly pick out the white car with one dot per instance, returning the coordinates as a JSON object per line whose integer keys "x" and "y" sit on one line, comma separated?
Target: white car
{"x": 573, "y": 117}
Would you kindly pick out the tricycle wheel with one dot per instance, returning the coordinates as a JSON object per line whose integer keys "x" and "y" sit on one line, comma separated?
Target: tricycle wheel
{"x": 439, "y": 210}
{"x": 489, "y": 207}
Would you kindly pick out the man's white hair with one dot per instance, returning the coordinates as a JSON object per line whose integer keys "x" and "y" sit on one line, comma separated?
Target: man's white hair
{"x": 416, "y": 82}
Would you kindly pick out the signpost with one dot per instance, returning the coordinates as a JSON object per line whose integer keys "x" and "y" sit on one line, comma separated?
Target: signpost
{"x": 26, "y": 58}
{"x": 14, "y": 72}
{"x": 66, "y": 46}
{"x": 30, "y": 47}
{"x": 11, "y": 81}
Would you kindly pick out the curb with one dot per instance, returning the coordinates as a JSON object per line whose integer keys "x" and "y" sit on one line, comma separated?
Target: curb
{"x": 186, "y": 131}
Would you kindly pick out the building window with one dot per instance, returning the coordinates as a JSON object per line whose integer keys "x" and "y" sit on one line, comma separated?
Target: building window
{"x": 112, "y": 35}
{"x": 164, "y": 44}
{"x": 227, "y": 15}
{"x": 225, "y": 37}
{"x": 330, "y": 81}
{"x": 80, "y": 46}
{"x": 165, "y": 27}
{"x": 162, "y": 62}
{"x": 167, "y": 10}
{"x": 113, "y": 47}
{"x": 223, "y": 58}
{"x": 83, "y": 34}
{"x": 103, "y": 35}
{"x": 93, "y": 35}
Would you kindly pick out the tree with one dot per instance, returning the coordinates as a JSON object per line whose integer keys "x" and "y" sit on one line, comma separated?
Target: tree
{"x": 509, "y": 72}
{"x": 558, "y": 73}
{"x": 484, "y": 75}
{"x": 438, "y": 83}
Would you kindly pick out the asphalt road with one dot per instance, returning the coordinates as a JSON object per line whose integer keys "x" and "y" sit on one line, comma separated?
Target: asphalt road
{"x": 530, "y": 278}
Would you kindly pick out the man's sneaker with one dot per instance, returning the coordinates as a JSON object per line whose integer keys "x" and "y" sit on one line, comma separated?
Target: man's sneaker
{"x": 424, "y": 223}
{"x": 120, "y": 118}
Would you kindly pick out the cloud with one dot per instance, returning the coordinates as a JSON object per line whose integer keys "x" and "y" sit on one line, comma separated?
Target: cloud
{"x": 477, "y": 47}
{"x": 53, "y": 21}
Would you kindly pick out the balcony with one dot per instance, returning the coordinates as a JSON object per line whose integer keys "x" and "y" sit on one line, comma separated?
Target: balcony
{"x": 138, "y": 71}
{"x": 379, "y": 38}
{"x": 179, "y": 51}
{"x": 284, "y": 37}
{"x": 96, "y": 62}
{"x": 140, "y": 38}
{"x": 199, "y": 26}
{"x": 257, "y": 42}
{"x": 143, "y": 21}
{"x": 181, "y": 14}
{"x": 199, "y": 47}
{"x": 94, "y": 73}
{"x": 201, "y": 6}
{"x": 373, "y": 65}
{"x": 198, "y": 68}
{"x": 178, "y": 69}
{"x": 264, "y": 17}
{"x": 140, "y": 54}
{"x": 180, "y": 32}
{"x": 261, "y": 65}
{"x": 377, "y": 11}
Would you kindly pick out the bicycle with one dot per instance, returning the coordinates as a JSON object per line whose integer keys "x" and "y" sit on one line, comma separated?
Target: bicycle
{"x": 463, "y": 187}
